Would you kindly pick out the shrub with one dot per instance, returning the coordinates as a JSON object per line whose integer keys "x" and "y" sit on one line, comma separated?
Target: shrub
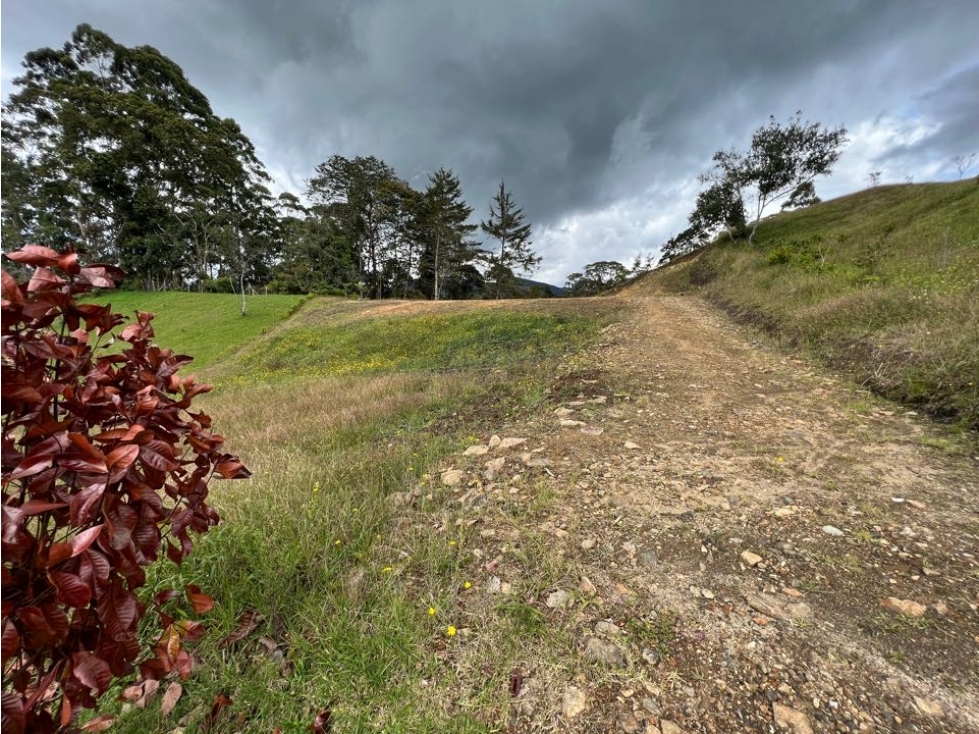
{"x": 104, "y": 466}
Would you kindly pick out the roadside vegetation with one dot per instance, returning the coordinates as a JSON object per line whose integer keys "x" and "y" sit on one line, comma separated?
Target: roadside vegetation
{"x": 340, "y": 605}
{"x": 882, "y": 284}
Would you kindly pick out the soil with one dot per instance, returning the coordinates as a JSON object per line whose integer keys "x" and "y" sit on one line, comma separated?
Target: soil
{"x": 713, "y": 442}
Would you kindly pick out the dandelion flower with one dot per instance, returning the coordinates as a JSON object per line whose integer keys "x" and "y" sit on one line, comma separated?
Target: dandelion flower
{"x": 337, "y": 541}
{"x": 452, "y": 542}
{"x": 450, "y": 631}
{"x": 467, "y": 585}
{"x": 780, "y": 459}
{"x": 431, "y": 611}
{"x": 387, "y": 569}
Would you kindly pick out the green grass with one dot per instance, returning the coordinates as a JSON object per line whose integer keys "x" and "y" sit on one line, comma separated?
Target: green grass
{"x": 207, "y": 326}
{"x": 342, "y": 578}
{"x": 883, "y": 284}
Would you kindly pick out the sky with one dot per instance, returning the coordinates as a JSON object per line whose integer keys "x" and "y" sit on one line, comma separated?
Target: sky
{"x": 598, "y": 114}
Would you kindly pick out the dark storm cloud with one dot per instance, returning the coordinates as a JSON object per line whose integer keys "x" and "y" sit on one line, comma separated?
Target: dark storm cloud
{"x": 599, "y": 115}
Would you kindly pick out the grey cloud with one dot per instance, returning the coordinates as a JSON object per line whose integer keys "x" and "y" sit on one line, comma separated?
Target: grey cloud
{"x": 598, "y": 112}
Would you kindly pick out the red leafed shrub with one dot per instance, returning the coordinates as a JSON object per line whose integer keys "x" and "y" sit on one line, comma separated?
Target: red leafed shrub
{"x": 104, "y": 465}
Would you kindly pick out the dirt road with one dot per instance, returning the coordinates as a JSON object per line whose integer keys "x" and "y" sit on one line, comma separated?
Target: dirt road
{"x": 737, "y": 541}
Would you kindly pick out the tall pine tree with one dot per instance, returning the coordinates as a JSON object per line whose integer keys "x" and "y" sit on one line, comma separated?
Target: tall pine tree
{"x": 506, "y": 224}
{"x": 447, "y": 248}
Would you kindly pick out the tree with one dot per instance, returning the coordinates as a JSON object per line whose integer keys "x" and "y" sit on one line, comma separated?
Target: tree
{"x": 689, "y": 240}
{"x": 719, "y": 206}
{"x": 506, "y": 224}
{"x": 365, "y": 196}
{"x": 804, "y": 195}
{"x": 596, "y": 278}
{"x": 121, "y": 153}
{"x": 445, "y": 231}
{"x": 963, "y": 163}
{"x": 781, "y": 159}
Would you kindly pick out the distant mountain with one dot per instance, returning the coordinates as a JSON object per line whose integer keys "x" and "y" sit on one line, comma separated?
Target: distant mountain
{"x": 528, "y": 284}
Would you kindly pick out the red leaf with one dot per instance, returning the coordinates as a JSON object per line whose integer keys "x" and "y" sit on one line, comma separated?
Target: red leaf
{"x": 156, "y": 460}
{"x": 246, "y": 625}
{"x": 23, "y": 393}
{"x": 71, "y": 589}
{"x": 10, "y": 290}
{"x": 44, "y": 280}
{"x": 102, "y": 722}
{"x": 231, "y": 468}
{"x": 84, "y": 539}
{"x": 323, "y": 723}
{"x": 200, "y": 601}
{"x": 35, "y": 255}
{"x": 11, "y": 639}
{"x": 32, "y": 465}
{"x": 91, "y": 671}
{"x": 36, "y": 507}
{"x": 98, "y": 277}
{"x": 121, "y": 457}
{"x": 221, "y": 702}
{"x": 170, "y": 698}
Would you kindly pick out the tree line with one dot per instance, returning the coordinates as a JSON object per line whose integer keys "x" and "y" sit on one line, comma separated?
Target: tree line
{"x": 113, "y": 150}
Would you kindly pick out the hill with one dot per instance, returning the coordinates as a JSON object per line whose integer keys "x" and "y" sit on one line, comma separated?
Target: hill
{"x": 882, "y": 284}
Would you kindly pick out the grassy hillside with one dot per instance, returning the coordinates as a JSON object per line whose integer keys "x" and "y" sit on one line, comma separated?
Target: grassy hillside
{"x": 334, "y": 410}
{"x": 883, "y": 284}
{"x": 204, "y": 325}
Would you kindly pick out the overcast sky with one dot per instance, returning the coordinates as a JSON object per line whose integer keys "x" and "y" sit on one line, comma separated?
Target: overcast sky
{"x": 599, "y": 115}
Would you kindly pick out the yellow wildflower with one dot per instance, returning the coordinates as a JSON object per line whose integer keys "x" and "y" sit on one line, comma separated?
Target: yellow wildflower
{"x": 450, "y": 631}
{"x": 467, "y": 585}
{"x": 431, "y": 611}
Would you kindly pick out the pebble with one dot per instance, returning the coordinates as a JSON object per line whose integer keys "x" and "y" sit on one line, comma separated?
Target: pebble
{"x": 668, "y": 727}
{"x": 592, "y": 431}
{"x": 558, "y": 599}
{"x": 477, "y": 450}
{"x": 833, "y": 530}
{"x": 587, "y": 544}
{"x": 785, "y": 511}
{"x": 607, "y": 653}
{"x": 453, "y": 477}
{"x": 495, "y": 441}
{"x": 791, "y": 720}
{"x": 632, "y": 446}
{"x": 563, "y": 412}
{"x": 586, "y": 587}
{"x": 929, "y": 708}
{"x": 573, "y": 702}
{"x": 629, "y": 724}
{"x": 571, "y": 423}
{"x": 751, "y": 559}
{"x": 608, "y": 629}
{"x": 904, "y": 606}
{"x": 510, "y": 443}
{"x": 651, "y": 656}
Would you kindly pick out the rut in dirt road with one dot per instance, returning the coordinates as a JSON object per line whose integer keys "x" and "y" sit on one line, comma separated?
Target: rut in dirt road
{"x": 747, "y": 543}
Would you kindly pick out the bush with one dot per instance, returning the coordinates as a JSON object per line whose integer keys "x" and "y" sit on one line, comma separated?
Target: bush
{"x": 104, "y": 466}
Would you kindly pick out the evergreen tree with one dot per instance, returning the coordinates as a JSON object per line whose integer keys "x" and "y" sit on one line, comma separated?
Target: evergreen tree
{"x": 506, "y": 224}
{"x": 447, "y": 249}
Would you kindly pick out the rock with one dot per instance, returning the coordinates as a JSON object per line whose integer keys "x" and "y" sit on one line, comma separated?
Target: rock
{"x": 494, "y": 441}
{"x": 510, "y": 443}
{"x": 629, "y": 724}
{"x": 592, "y": 431}
{"x": 573, "y": 702}
{"x": 904, "y": 606}
{"x": 600, "y": 400}
{"x": 785, "y": 511}
{"x": 607, "y": 653}
{"x": 570, "y": 423}
{"x": 563, "y": 412}
{"x": 632, "y": 446}
{"x": 794, "y": 593}
{"x": 791, "y": 720}
{"x": 668, "y": 727}
{"x": 493, "y": 468}
{"x": 586, "y": 587}
{"x": 941, "y": 608}
{"x": 651, "y": 656}
{"x": 493, "y": 585}
{"x": 929, "y": 708}
{"x": 647, "y": 557}
{"x": 558, "y": 599}
{"x": 916, "y": 505}
{"x": 799, "y": 610}
{"x": 750, "y": 559}
{"x": 537, "y": 462}
{"x": 765, "y": 606}
{"x": 587, "y": 544}
{"x": 477, "y": 450}
{"x": 453, "y": 477}
{"x": 687, "y": 516}
{"x": 833, "y": 530}
{"x": 608, "y": 629}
